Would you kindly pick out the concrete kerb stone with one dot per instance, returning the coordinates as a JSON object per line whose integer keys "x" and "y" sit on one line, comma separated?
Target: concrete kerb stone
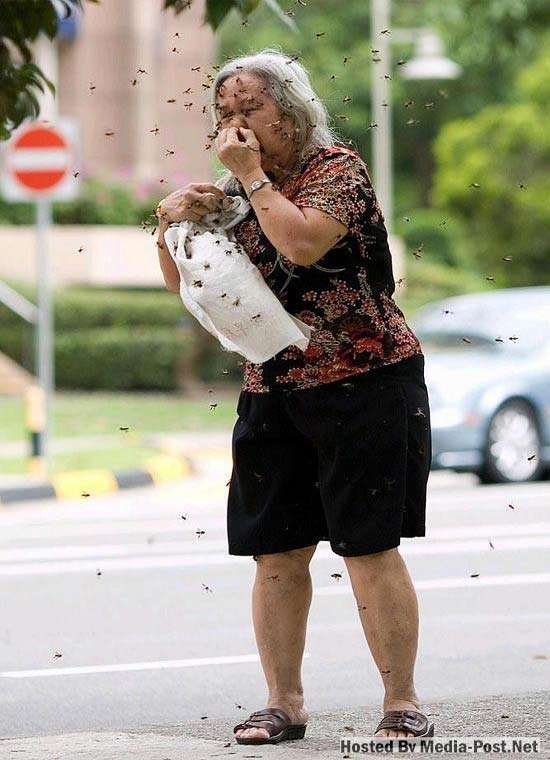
{"x": 488, "y": 716}
{"x": 158, "y": 469}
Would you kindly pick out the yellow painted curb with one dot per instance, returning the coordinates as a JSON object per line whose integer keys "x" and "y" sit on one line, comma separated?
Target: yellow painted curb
{"x": 70, "y": 484}
{"x": 166, "y": 467}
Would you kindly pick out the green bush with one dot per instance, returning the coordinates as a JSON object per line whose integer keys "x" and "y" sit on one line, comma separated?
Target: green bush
{"x": 123, "y": 359}
{"x": 439, "y": 236}
{"x": 102, "y": 201}
{"x": 117, "y": 358}
{"x": 211, "y": 362}
{"x": 492, "y": 171}
{"x": 17, "y": 342}
{"x": 430, "y": 281}
{"x": 76, "y": 308}
{"x": 120, "y": 339}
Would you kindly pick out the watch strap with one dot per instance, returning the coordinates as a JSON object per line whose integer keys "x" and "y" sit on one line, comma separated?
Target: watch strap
{"x": 258, "y": 186}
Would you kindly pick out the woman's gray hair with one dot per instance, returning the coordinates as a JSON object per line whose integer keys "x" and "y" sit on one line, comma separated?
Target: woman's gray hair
{"x": 287, "y": 82}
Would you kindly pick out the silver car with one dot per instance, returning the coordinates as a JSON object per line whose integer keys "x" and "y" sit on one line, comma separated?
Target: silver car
{"x": 487, "y": 370}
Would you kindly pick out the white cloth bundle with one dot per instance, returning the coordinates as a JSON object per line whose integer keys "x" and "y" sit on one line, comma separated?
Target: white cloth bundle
{"x": 225, "y": 292}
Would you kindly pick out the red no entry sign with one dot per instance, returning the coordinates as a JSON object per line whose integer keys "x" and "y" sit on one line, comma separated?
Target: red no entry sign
{"x": 39, "y": 161}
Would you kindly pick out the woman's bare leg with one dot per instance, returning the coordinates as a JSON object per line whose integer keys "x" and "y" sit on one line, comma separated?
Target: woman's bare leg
{"x": 281, "y": 599}
{"x": 388, "y": 609}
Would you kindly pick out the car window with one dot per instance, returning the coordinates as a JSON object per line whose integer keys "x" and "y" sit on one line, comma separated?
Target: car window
{"x": 442, "y": 341}
{"x": 501, "y": 337}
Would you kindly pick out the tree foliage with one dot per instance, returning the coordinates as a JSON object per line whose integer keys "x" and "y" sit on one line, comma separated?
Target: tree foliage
{"x": 493, "y": 172}
{"x": 20, "y": 23}
{"x": 493, "y": 41}
{"x": 490, "y": 40}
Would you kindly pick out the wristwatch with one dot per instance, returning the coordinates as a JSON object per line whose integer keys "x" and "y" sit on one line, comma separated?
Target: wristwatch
{"x": 257, "y": 184}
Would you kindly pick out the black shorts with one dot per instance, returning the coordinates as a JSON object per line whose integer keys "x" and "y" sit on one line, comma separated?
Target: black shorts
{"x": 345, "y": 462}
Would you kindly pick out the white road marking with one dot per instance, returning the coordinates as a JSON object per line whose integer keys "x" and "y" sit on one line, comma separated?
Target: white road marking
{"x": 84, "y": 559}
{"x": 176, "y": 526}
{"x": 123, "y": 563}
{"x": 466, "y": 582}
{"x": 123, "y": 667}
{"x": 511, "y": 619}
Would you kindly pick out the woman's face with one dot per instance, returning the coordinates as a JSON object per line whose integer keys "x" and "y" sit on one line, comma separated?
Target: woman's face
{"x": 242, "y": 101}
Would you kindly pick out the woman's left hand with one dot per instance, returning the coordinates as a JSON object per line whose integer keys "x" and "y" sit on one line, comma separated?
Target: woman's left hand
{"x": 241, "y": 158}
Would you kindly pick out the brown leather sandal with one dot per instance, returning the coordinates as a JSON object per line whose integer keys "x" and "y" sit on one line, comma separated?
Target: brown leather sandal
{"x": 405, "y": 720}
{"x": 277, "y": 723}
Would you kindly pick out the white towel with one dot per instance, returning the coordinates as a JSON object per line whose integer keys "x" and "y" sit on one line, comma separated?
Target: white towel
{"x": 249, "y": 319}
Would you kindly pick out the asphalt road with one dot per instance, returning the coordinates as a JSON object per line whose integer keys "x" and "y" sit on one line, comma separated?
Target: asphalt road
{"x": 145, "y": 643}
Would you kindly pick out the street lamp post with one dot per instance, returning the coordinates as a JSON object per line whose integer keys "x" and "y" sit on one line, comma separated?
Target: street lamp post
{"x": 381, "y": 110}
{"x": 429, "y": 63}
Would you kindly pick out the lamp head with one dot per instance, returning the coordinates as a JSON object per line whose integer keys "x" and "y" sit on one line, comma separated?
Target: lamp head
{"x": 430, "y": 61}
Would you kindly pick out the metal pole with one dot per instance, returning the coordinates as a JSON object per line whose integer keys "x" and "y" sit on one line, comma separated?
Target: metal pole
{"x": 44, "y": 333}
{"x": 47, "y": 58}
{"x": 381, "y": 109}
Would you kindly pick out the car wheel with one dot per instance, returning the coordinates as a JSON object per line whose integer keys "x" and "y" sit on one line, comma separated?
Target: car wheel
{"x": 512, "y": 448}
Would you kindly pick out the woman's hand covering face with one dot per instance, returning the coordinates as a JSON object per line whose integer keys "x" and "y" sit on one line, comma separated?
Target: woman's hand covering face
{"x": 238, "y": 149}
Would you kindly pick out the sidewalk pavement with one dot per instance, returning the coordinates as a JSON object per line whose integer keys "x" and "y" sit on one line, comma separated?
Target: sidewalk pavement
{"x": 499, "y": 716}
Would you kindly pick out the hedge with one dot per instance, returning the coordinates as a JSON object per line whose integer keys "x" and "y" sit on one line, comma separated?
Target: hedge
{"x": 144, "y": 339}
{"x": 121, "y": 339}
{"x": 17, "y": 342}
{"x": 103, "y": 201}
{"x": 431, "y": 281}
{"x": 213, "y": 364}
{"x": 123, "y": 359}
{"x": 79, "y": 307}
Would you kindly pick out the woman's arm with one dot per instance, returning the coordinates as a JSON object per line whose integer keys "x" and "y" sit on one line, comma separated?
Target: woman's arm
{"x": 303, "y": 235}
{"x": 167, "y": 263}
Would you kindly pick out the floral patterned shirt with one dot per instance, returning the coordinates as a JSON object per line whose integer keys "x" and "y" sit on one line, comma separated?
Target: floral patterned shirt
{"x": 346, "y": 296}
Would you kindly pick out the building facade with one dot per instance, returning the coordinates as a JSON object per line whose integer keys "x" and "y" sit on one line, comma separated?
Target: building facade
{"x": 130, "y": 68}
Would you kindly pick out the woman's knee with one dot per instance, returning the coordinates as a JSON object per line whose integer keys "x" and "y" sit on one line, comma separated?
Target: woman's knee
{"x": 375, "y": 562}
{"x": 295, "y": 562}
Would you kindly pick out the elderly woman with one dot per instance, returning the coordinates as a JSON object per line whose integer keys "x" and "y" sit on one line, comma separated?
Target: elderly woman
{"x": 332, "y": 443}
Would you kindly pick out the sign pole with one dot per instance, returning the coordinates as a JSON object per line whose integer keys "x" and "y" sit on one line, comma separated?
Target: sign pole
{"x": 44, "y": 333}
{"x": 38, "y": 164}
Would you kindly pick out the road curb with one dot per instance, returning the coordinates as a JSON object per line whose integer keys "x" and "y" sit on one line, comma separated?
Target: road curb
{"x": 158, "y": 469}
{"x": 503, "y": 715}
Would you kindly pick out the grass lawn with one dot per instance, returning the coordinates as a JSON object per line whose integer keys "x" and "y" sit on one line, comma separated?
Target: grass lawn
{"x": 125, "y": 457}
{"x": 81, "y": 414}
